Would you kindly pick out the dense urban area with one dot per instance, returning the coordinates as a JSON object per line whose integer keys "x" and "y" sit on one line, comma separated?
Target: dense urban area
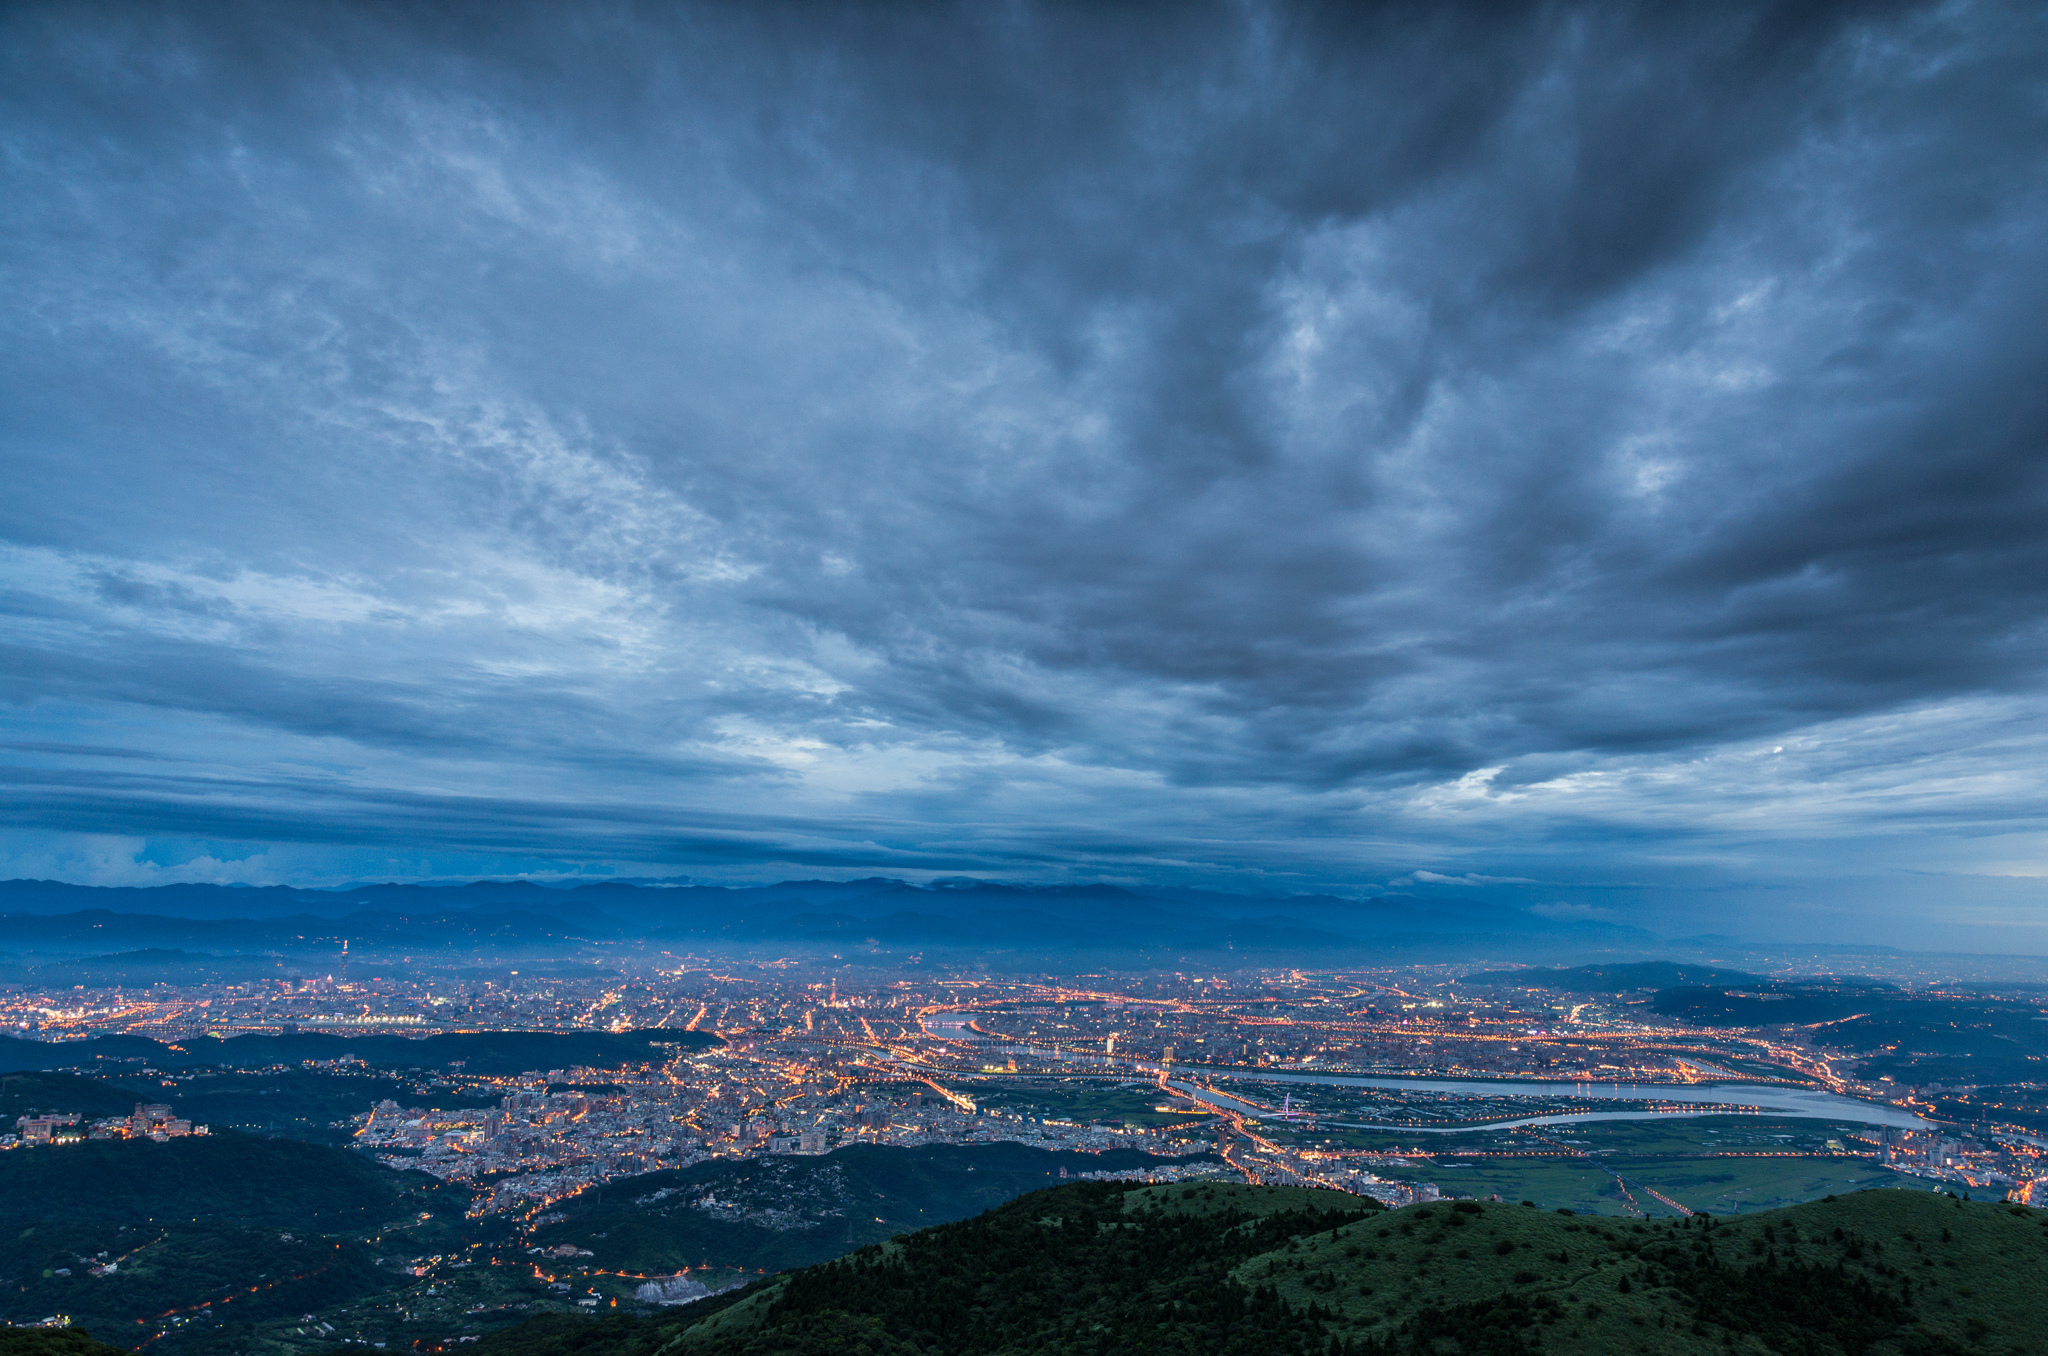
{"x": 1164, "y": 1063}
{"x": 736, "y": 1095}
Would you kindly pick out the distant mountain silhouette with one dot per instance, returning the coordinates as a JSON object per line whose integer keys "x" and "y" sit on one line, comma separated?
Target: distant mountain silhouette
{"x": 520, "y": 917}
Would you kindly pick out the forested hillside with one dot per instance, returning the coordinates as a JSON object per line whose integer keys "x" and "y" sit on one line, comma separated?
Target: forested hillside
{"x": 233, "y": 1245}
{"x": 184, "y": 1246}
{"x": 241, "y": 1179}
{"x": 780, "y": 1212}
{"x": 1214, "y": 1269}
{"x": 1204, "y": 1269}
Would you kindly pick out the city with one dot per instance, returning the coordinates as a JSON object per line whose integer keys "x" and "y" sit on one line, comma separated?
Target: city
{"x": 811, "y": 1057}
{"x": 627, "y": 1130}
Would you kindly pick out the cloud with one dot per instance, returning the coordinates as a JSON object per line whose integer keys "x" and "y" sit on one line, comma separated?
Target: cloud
{"x": 1266, "y": 447}
{"x": 1566, "y": 911}
{"x": 1469, "y": 878}
{"x": 115, "y": 860}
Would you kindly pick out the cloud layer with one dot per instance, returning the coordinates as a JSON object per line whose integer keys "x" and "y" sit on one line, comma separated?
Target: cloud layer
{"x": 1262, "y": 446}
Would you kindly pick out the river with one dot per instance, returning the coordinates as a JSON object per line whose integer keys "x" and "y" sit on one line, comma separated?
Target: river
{"x": 1766, "y": 1098}
{"x": 1714, "y": 1098}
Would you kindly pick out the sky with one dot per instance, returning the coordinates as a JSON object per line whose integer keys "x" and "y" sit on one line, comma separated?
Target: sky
{"x": 1585, "y": 456}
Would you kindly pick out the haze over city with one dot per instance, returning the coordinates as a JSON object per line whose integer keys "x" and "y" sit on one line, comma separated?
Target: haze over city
{"x": 1583, "y": 458}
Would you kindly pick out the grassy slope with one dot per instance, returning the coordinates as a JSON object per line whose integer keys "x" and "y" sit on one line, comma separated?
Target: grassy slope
{"x": 1880, "y": 1272}
{"x": 1976, "y": 1275}
{"x": 1083, "y": 1102}
{"x": 1719, "y": 1186}
{"x": 1695, "y": 1160}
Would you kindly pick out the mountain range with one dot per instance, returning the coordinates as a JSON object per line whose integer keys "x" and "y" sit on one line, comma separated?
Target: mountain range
{"x": 40, "y": 919}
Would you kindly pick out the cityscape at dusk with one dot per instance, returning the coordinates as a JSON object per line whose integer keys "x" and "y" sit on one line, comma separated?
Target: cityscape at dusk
{"x": 700, "y": 1084}
{"x": 1023, "y": 679}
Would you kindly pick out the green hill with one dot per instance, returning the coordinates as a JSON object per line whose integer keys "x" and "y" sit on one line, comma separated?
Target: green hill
{"x": 241, "y": 1179}
{"x": 305, "y": 1104}
{"x": 22, "y": 1093}
{"x": 775, "y": 1213}
{"x": 1220, "y": 1269}
{"x": 182, "y": 1246}
{"x": 1878, "y": 1271}
{"x": 52, "y": 1342}
{"x": 179, "y": 1287}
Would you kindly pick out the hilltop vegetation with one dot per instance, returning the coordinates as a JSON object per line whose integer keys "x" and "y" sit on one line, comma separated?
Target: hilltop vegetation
{"x": 1879, "y": 1271}
{"x": 52, "y": 1342}
{"x": 1194, "y": 1268}
{"x": 191, "y": 1246}
{"x": 1216, "y": 1269}
{"x": 206, "y": 1236}
{"x": 21, "y": 1093}
{"x": 241, "y": 1179}
{"x": 221, "y": 1246}
{"x": 217, "y": 1278}
{"x": 780, "y": 1212}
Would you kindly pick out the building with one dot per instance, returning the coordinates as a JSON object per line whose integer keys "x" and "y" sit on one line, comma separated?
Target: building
{"x": 154, "y": 1120}
{"x": 43, "y": 1129}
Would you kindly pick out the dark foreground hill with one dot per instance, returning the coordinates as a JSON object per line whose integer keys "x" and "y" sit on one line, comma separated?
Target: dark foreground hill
{"x": 52, "y": 1342}
{"x": 775, "y": 1213}
{"x": 1217, "y": 1270}
{"x": 241, "y": 1246}
{"x": 241, "y": 1179}
{"x": 180, "y": 1246}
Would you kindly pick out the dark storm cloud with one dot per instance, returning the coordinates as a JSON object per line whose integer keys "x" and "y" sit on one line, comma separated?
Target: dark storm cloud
{"x": 1284, "y": 439}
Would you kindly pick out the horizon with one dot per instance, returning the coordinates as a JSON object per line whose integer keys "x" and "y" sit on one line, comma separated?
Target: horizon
{"x": 1582, "y": 459}
{"x": 1475, "y": 930}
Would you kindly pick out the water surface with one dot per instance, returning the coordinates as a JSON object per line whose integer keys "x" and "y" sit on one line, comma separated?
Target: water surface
{"x": 1767, "y": 1098}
